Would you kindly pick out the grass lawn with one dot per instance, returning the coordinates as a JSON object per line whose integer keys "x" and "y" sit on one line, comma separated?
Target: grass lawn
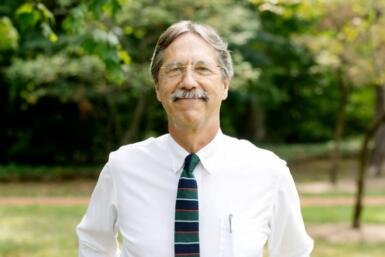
{"x": 342, "y": 214}
{"x": 324, "y": 249}
{"x": 39, "y": 231}
{"x": 49, "y": 231}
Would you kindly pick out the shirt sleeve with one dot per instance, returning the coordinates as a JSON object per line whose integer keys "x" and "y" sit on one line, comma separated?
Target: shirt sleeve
{"x": 288, "y": 236}
{"x": 97, "y": 231}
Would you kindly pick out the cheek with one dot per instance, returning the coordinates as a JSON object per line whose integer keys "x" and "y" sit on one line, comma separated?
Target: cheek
{"x": 163, "y": 94}
{"x": 221, "y": 92}
{"x": 165, "y": 87}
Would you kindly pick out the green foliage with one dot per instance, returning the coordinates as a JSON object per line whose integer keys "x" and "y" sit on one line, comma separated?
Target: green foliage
{"x": 92, "y": 23}
{"x": 31, "y": 15}
{"x": 360, "y": 110}
{"x": 349, "y": 37}
{"x": 9, "y": 35}
{"x": 76, "y": 72}
{"x": 54, "y": 76}
{"x": 109, "y": 7}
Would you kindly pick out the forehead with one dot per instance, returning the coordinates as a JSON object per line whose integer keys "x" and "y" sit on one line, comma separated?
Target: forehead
{"x": 189, "y": 47}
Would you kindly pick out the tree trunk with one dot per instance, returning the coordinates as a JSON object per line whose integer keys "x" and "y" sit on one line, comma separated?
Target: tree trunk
{"x": 259, "y": 125}
{"x": 362, "y": 170}
{"x": 255, "y": 125}
{"x": 132, "y": 131}
{"x": 339, "y": 128}
{"x": 378, "y": 153}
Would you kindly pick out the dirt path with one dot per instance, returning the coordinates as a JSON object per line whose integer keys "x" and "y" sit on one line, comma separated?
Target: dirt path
{"x": 332, "y": 201}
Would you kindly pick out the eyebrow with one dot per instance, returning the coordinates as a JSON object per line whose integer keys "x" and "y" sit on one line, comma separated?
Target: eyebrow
{"x": 178, "y": 63}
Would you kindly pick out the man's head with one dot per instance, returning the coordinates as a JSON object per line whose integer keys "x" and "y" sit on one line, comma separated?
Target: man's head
{"x": 192, "y": 69}
{"x": 205, "y": 32}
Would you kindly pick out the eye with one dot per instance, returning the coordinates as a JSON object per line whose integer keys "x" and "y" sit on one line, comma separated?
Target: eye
{"x": 203, "y": 70}
{"x": 174, "y": 71}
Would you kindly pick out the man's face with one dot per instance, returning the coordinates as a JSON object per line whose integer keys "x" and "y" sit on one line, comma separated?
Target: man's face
{"x": 190, "y": 65}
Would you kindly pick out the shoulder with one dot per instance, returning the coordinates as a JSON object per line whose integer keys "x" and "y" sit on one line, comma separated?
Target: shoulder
{"x": 242, "y": 153}
{"x": 246, "y": 150}
{"x": 137, "y": 151}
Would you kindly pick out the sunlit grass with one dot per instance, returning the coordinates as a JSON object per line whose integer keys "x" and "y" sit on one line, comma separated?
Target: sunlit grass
{"x": 348, "y": 249}
{"x": 49, "y": 231}
{"x": 342, "y": 214}
{"x": 39, "y": 231}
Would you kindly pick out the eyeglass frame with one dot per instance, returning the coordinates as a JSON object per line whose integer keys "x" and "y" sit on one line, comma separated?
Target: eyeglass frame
{"x": 182, "y": 69}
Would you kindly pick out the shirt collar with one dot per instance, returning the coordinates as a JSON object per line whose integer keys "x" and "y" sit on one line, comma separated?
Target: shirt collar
{"x": 208, "y": 155}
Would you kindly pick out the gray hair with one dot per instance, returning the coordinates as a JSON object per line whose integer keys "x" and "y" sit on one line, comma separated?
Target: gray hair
{"x": 204, "y": 31}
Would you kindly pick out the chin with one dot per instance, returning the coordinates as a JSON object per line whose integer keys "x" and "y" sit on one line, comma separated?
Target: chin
{"x": 192, "y": 119}
{"x": 189, "y": 119}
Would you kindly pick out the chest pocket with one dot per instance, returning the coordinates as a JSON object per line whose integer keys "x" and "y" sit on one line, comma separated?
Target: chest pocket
{"x": 242, "y": 236}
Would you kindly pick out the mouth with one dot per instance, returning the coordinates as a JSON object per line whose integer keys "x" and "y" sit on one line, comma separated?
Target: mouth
{"x": 177, "y": 99}
{"x": 195, "y": 94}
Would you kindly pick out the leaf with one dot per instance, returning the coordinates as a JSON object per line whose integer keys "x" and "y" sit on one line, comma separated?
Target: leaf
{"x": 46, "y": 13}
{"x": 27, "y": 16}
{"x": 8, "y": 34}
{"x": 48, "y": 33}
{"x": 25, "y": 8}
{"x": 53, "y": 37}
{"x": 123, "y": 55}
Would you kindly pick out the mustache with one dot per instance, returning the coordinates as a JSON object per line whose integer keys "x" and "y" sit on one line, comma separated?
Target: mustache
{"x": 196, "y": 93}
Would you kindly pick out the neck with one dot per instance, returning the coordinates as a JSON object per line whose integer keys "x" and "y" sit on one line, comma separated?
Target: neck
{"x": 193, "y": 139}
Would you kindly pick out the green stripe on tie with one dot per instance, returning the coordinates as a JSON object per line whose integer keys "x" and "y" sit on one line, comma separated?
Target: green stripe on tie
{"x": 187, "y": 194}
{"x": 186, "y": 238}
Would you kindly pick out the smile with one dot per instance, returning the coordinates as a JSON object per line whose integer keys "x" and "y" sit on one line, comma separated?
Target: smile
{"x": 196, "y": 93}
{"x": 176, "y": 99}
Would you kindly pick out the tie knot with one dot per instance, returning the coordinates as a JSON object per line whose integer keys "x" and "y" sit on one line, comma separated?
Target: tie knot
{"x": 190, "y": 162}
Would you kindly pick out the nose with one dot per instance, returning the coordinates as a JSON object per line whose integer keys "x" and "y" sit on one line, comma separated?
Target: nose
{"x": 188, "y": 81}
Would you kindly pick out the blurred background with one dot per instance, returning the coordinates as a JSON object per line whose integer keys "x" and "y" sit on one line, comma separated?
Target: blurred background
{"x": 75, "y": 84}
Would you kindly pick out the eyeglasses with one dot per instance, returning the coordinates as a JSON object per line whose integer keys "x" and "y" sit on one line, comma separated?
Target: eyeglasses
{"x": 199, "y": 70}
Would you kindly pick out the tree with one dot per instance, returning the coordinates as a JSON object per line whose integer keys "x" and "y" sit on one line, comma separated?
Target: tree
{"x": 348, "y": 40}
{"x": 53, "y": 60}
{"x": 84, "y": 75}
{"x": 282, "y": 69}
{"x": 375, "y": 37}
{"x": 377, "y": 157}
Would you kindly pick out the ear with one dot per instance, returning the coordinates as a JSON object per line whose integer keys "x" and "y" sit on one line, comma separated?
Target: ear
{"x": 226, "y": 84}
{"x": 157, "y": 91}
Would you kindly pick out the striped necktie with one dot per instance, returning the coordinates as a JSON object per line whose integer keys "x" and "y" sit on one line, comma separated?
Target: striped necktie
{"x": 187, "y": 211}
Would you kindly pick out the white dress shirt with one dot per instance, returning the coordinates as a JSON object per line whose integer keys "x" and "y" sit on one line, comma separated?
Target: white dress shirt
{"x": 247, "y": 198}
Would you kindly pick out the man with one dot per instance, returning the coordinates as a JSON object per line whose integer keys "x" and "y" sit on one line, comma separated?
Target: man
{"x": 195, "y": 191}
